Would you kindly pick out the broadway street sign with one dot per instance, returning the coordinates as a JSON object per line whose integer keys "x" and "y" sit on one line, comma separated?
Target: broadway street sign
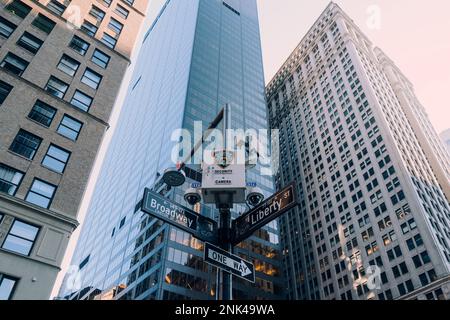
{"x": 181, "y": 217}
{"x": 248, "y": 223}
{"x": 229, "y": 262}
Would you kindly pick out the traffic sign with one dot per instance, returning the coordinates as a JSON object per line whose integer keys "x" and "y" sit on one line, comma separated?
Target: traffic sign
{"x": 244, "y": 226}
{"x": 229, "y": 262}
{"x": 181, "y": 217}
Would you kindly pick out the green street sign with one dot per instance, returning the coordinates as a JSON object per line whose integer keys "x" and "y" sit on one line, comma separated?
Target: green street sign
{"x": 201, "y": 227}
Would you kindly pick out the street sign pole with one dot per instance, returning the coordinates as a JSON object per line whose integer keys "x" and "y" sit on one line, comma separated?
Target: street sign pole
{"x": 225, "y": 244}
{"x": 223, "y": 184}
{"x": 225, "y": 220}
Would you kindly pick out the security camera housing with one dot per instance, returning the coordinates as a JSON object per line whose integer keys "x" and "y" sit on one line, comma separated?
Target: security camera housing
{"x": 192, "y": 196}
{"x": 254, "y": 196}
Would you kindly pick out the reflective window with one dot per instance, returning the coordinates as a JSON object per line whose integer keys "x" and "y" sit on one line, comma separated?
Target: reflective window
{"x": 7, "y": 285}
{"x": 56, "y": 159}
{"x": 106, "y": 2}
{"x": 69, "y": 127}
{"x": 10, "y": 179}
{"x": 81, "y": 101}
{"x": 26, "y": 144}
{"x": 42, "y": 113}
{"x": 97, "y": 13}
{"x": 30, "y": 42}
{"x": 115, "y": 26}
{"x": 56, "y": 87}
{"x": 100, "y": 58}
{"x": 79, "y": 45}
{"x": 121, "y": 11}
{"x": 21, "y": 237}
{"x": 6, "y": 27}
{"x": 91, "y": 78}
{"x": 41, "y": 193}
{"x": 14, "y": 64}
{"x": 89, "y": 28}
{"x": 18, "y": 8}
{"x": 5, "y": 89}
{"x": 57, "y": 7}
{"x": 68, "y": 65}
{"x": 109, "y": 41}
{"x": 43, "y": 23}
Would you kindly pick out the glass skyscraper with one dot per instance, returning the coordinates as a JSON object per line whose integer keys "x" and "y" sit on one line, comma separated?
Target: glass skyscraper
{"x": 197, "y": 56}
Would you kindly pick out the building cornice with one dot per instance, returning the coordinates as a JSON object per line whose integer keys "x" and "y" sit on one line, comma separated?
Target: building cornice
{"x": 62, "y": 217}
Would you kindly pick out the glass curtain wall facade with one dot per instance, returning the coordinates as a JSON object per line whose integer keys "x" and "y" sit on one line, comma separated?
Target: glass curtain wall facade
{"x": 197, "y": 56}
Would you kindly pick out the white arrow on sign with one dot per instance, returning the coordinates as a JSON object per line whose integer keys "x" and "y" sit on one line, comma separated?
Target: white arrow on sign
{"x": 231, "y": 263}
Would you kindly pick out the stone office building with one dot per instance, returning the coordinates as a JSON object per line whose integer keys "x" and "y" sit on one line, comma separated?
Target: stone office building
{"x": 61, "y": 67}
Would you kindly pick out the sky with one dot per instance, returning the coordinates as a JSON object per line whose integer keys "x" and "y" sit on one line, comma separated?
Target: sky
{"x": 415, "y": 34}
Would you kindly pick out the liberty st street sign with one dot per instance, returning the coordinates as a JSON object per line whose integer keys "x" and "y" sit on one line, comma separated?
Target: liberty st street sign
{"x": 244, "y": 226}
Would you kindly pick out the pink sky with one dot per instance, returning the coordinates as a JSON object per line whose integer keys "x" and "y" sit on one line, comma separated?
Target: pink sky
{"x": 415, "y": 34}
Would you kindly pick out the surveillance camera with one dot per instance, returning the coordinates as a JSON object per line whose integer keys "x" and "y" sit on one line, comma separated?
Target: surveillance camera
{"x": 254, "y": 196}
{"x": 192, "y": 196}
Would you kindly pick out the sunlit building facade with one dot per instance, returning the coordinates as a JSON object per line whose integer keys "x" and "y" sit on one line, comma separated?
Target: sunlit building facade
{"x": 197, "y": 56}
{"x": 61, "y": 68}
{"x": 358, "y": 143}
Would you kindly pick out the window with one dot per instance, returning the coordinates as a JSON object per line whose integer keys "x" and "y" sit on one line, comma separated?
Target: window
{"x": 89, "y": 28}
{"x": 56, "y": 7}
{"x": 56, "y": 87}
{"x": 97, "y": 13}
{"x": 115, "y": 26}
{"x": 41, "y": 193}
{"x": 121, "y": 11}
{"x": 7, "y": 285}
{"x": 26, "y": 144}
{"x": 109, "y": 41}
{"x": 42, "y": 113}
{"x": 6, "y": 28}
{"x": 130, "y": 2}
{"x": 30, "y": 42}
{"x": 21, "y": 237}
{"x": 68, "y": 65}
{"x": 14, "y": 64}
{"x": 106, "y": 3}
{"x": 56, "y": 159}
{"x": 81, "y": 101}
{"x": 100, "y": 58}
{"x": 18, "y": 8}
{"x": 417, "y": 261}
{"x": 84, "y": 262}
{"x": 69, "y": 127}
{"x": 43, "y": 23}
{"x": 10, "y": 179}
{"x": 79, "y": 45}
{"x": 5, "y": 89}
{"x": 91, "y": 78}
{"x": 407, "y": 227}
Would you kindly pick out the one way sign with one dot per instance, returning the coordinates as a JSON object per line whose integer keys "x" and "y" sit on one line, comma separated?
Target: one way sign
{"x": 229, "y": 262}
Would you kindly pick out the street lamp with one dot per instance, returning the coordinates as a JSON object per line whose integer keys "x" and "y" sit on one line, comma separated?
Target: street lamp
{"x": 174, "y": 177}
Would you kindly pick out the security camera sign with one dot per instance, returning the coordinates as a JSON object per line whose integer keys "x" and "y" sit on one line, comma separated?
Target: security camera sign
{"x": 181, "y": 217}
{"x": 272, "y": 208}
{"x": 223, "y": 176}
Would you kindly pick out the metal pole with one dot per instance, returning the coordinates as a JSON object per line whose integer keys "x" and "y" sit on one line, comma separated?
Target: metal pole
{"x": 225, "y": 215}
{"x": 225, "y": 244}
